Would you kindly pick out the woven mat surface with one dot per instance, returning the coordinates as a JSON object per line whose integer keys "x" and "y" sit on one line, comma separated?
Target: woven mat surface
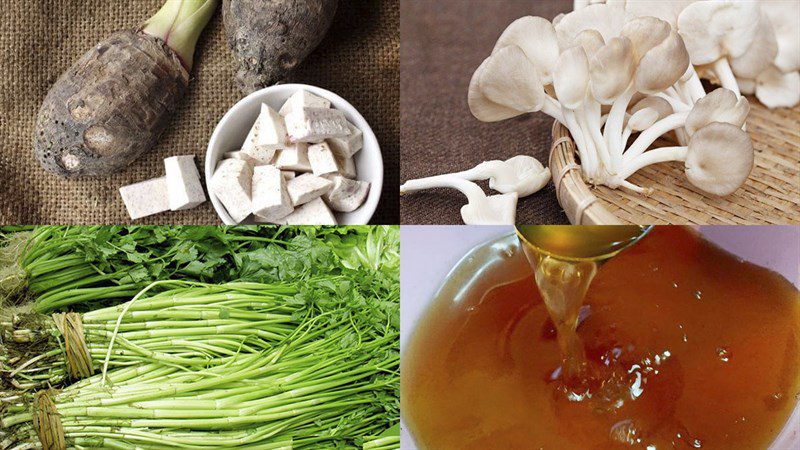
{"x": 444, "y": 41}
{"x": 359, "y": 60}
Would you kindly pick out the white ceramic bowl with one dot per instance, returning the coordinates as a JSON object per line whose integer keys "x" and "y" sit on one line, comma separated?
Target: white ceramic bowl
{"x": 773, "y": 247}
{"x": 234, "y": 126}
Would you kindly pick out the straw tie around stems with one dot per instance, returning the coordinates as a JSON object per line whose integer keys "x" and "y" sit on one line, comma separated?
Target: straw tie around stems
{"x": 79, "y": 360}
{"x": 47, "y": 422}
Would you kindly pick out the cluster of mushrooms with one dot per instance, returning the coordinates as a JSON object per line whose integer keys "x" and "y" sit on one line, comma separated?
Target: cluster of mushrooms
{"x": 747, "y": 46}
{"x": 620, "y": 74}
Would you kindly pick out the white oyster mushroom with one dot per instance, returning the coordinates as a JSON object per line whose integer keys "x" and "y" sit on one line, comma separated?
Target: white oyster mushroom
{"x": 760, "y": 54}
{"x": 718, "y": 159}
{"x": 480, "y": 210}
{"x": 610, "y": 57}
{"x": 776, "y": 89}
{"x": 715, "y": 31}
{"x": 536, "y": 37}
{"x": 783, "y": 16}
{"x": 778, "y": 84}
{"x": 507, "y": 85}
{"x": 644, "y": 114}
{"x": 667, "y": 11}
{"x": 606, "y": 19}
{"x": 581, "y": 112}
{"x": 591, "y": 41}
{"x": 521, "y": 174}
{"x": 721, "y": 105}
{"x": 611, "y": 69}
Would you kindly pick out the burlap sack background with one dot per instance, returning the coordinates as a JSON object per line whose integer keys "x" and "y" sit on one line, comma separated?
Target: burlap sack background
{"x": 444, "y": 41}
{"x": 39, "y": 39}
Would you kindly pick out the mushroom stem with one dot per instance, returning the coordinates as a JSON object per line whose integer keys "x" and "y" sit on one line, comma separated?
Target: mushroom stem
{"x": 592, "y": 130}
{"x": 592, "y": 113}
{"x": 630, "y": 186}
{"x": 472, "y": 191}
{"x": 582, "y": 141}
{"x": 694, "y": 86}
{"x": 726, "y": 77}
{"x": 552, "y": 108}
{"x": 676, "y": 103}
{"x": 613, "y": 129}
{"x": 654, "y": 156}
{"x": 626, "y": 134}
{"x": 648, "y": 136}
{"x": 517, "y": 174}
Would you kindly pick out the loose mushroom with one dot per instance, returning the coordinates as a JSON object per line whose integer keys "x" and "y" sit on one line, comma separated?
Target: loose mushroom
{"x": 522, "y": 174}
{"x": 480, "y": 210}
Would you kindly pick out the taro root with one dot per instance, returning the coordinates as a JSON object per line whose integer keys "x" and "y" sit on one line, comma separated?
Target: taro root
{"x": 114, "y": 103}
{"x": 270, "y": 38}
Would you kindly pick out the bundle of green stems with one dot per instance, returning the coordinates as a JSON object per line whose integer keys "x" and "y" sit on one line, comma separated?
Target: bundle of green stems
{"x": 192, "y": 324}
{"x": 228, "y": 337}
{"x": 236, "y": 365}
{"x": 64, "y": 266}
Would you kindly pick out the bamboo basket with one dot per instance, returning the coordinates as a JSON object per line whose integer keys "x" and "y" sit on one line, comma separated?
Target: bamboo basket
{"x": 770, "y": 196}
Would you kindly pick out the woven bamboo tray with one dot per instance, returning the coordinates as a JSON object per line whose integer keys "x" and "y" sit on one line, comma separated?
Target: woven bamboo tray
{"x": 770, "y": 196}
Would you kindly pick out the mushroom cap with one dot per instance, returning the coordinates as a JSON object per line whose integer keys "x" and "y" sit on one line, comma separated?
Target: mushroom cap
{"x": 522, "y": 174}
{"x": 611, "y": 69}
{"x": 747, "y": 86}
{"x": 571, "y": 78}
{"x": 663, "y": 65}
{"x": 657, "y": 103}
{"x": 505, "y": 85}
{"x": 643, "y": 119}
{"x": 716, "y": 29}
{"x": 783, "y": 17}
{"x": 492, "y": 210}
{"x": 776, "y": 89}
{"x": 537, "y": 38}
{"x": 719, "y": 158}
{"x": 481, "y": 107}
{"x": 645, "y": 33}
{"x": 590, "y": 40}
{"x": 667, "y": 11}
{"x": 606, "y": 19}
{"x": 720, "y": 105}
{"x": 760, "y": 54}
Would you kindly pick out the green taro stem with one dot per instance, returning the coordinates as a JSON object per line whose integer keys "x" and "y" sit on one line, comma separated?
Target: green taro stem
{"x": 179, "y": 23}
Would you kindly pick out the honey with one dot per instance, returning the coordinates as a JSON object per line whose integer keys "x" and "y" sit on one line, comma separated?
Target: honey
{"x": 686, "y": 346}
{"x": 565, "y": 260}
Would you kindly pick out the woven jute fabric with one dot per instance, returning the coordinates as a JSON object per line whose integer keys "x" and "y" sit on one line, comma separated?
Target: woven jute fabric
{"x": 40, "y": 39}
{"x": 444, "y": 41}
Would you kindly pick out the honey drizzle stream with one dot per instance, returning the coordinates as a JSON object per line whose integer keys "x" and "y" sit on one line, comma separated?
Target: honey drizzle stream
{"x": 563, "y": 285}
{"x": 565, "y": 260}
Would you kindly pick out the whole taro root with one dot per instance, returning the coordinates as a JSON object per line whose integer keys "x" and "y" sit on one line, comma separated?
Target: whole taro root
{"x": 113, "y": 104}
{"x": 269, "y": 38}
